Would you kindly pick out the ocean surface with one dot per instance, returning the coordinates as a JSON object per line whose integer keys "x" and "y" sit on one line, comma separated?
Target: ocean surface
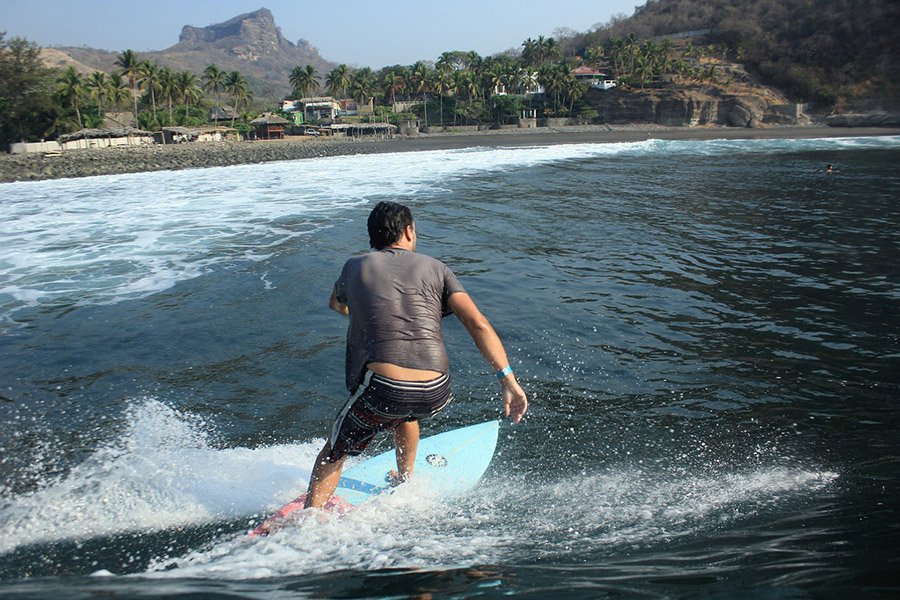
{"x": 709, "y": 332}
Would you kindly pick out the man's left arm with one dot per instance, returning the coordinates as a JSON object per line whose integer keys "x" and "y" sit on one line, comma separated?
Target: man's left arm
{"x": 515, "y": 402}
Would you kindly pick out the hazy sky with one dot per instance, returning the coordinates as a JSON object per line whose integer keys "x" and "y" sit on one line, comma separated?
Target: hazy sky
{"x": 356, "y": 32}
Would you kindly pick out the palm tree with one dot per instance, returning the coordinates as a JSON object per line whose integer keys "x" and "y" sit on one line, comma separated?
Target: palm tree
{"x": 529, "y": 52}
{"x": 214, "y": 81}
{"x": 643, "y": 69}
{"x": 573, "y": 90}
{"x": 305, "y": 80}
{"x": 150, "y": 77}
{"x": 555, "y": 78}
{"x": 236, "y": 87}
{"x": 446, "y": 62}
{"x": 552, "y": 49}
{"x": 168, "y": 89}
{"x": 362, "y": 85}
{"x": 338, "y": 80}
{"x": 394, "y": 80}
{"x": 117, "y": 90}
{"x": 614, "y": 48}
{"x": 420, "y": 76}
{"x": 473, "y": 61}
{"x": 465, "y": 84}
{"x": 443, "y": 84}
{"x": 186, "y": 84}
{"x": 632, "y": 48}
{"x": 496, "y": 78}
{"x": 98, "y": 87}
{"x": 70, "y": 87}
{"x": 131, "y": 68}
{"x": 665, "y": 47}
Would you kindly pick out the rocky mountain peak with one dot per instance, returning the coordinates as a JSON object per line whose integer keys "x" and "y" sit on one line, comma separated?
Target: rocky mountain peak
{"x": 249, "y": 35}
{"x": 250, "y": 43}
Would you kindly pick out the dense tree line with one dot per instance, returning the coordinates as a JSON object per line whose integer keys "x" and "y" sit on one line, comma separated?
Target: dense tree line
{"x": 27, "y": 107}
{"x": 459, "y": 87}
{"x": 37, "y": 102}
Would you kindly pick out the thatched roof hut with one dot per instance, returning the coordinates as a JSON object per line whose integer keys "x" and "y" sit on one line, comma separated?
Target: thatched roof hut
{"x": 93, "y": 134}
{"x": 178, "y": 135}
{"x": 104, "y": 138}
{"x": 269, "y": 126}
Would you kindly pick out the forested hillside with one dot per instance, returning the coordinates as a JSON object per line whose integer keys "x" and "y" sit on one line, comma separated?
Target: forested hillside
{"x": 840, "y": 54}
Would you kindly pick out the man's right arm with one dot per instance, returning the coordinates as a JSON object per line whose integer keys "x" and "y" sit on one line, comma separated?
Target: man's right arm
{"x": 515, "y": 403}
{"x": 336, "y": 305}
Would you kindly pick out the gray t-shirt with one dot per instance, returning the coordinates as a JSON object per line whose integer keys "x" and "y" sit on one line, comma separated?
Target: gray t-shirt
{"x": 397, "y": 299}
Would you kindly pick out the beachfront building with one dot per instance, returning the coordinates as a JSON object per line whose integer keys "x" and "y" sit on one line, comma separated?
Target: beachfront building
{"x": 269, "y": 126}
{"x": 222, "y": 113}
{"x": 384, "y": 130}
{"x": 105, "y": 138}
{"x": 294, "y": 111}
{"x": 352, "y": 108}
{"x": 182, "y": 135}
{"x": 319, "y": 108}
{"x": 595, "y": 79}
{"x": 527, "y": 87}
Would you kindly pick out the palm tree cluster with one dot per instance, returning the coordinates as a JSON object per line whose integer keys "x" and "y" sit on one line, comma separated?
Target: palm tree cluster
{"x": 633, "y": 60}
{"x": 159, "y": 96}
{"x": 470, "y": 86}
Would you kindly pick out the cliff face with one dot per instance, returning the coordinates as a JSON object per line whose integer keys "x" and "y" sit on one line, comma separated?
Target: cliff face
{"x": 689, "y": 108}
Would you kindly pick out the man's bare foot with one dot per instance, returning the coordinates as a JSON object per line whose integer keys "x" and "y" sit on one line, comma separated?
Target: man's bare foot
{"x": 394, "y": 478}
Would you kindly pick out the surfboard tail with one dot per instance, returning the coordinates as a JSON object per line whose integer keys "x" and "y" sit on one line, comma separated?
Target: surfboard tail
{"x": 287, "y": 513}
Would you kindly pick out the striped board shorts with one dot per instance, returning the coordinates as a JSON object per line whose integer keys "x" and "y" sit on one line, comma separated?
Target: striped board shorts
{"x": 381, "y": 403}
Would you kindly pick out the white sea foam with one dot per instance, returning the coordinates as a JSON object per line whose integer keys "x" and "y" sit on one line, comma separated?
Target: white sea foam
{"x": 163, "y": 472}
{"x": 501, "y": 522}
{"x": 105, "y": 239}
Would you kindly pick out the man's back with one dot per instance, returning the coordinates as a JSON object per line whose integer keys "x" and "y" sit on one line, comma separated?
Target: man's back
{"x": 396, "y": 299}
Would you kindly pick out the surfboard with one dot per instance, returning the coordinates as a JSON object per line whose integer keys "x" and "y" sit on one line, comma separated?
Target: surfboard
{"x": 448, "y": 463}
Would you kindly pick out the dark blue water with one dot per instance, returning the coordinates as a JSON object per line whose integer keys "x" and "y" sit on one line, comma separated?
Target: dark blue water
{"x": 708, "y": 332}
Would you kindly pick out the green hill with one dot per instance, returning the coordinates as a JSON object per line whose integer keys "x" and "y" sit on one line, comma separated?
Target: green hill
{"x": 839, "y": 55}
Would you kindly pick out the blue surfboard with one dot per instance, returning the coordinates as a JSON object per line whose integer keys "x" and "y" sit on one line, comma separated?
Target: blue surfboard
{"x": 448, "y": 463}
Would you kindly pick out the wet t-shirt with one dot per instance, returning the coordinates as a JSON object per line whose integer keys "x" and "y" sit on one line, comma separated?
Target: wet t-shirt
{"x": 397, "y": 300}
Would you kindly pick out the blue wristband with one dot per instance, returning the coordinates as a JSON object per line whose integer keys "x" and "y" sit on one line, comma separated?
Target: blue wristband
{"x": 507, "y": 370}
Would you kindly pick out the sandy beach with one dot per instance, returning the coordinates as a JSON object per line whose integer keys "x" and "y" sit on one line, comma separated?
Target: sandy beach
{"x": 108, "y": 161}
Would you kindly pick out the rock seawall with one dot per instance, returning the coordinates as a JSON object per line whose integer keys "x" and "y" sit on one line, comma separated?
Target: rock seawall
{"x": 112, "y": 161}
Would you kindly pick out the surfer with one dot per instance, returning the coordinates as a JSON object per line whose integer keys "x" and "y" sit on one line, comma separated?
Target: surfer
{"x": 397, "y": 369}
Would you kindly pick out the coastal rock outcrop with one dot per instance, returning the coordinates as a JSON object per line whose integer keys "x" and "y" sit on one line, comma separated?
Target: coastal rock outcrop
{"x": 874, "y": 119}
{"x": 685, "y": 108}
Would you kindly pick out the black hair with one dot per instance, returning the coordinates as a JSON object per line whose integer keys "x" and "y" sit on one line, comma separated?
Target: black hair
{"x": 387, "y": 222}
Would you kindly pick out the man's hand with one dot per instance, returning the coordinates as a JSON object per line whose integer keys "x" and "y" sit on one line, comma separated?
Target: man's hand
{"x": 515, "y": 403}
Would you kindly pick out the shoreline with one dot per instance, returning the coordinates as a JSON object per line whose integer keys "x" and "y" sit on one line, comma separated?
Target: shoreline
{"x": 114, "y": 161}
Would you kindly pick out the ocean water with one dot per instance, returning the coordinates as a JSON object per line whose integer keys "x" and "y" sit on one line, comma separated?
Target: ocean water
{"x": 709, "y": 332}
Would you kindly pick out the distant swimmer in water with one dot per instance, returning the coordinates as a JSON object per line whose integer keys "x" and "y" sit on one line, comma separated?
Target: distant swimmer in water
{"x": 829, "y": 170}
